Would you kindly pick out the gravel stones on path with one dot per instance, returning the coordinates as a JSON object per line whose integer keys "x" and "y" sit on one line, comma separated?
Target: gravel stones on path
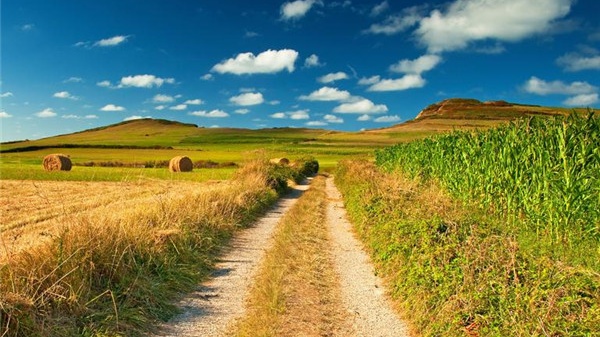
{"x": 362, "y": 291}
{"x": 218, "y": 302}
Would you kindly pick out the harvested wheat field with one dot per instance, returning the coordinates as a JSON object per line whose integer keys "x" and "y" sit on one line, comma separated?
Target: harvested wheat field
{"x": 32, "y": 211}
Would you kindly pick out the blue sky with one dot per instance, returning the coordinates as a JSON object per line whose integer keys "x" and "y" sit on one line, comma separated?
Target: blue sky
{"x": 70, "y": 65}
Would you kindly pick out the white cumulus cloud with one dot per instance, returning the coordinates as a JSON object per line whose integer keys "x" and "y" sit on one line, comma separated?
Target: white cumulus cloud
{"x": 466, "y": 21}
{"x": 327, "y": 94}
{"x": 4, "y": 114}
{"x": 387, "y": 119}
{"x": 143, "y": 81}
{"x": 380, "y": 8}
{"x": 160, "y": 98}
{"x": 577, "y": 62}
{"x": 210, "y": 114}
{"x": 111, "y": 41}
{"x": 582, "y": 100}
{"x": 267, "y": 62}
{"x": 248, "y": 99}
{"x": 178, "y": 107}
{"x": 406, "y": 82}
{"x": 332, "y": 77}
{"x": 112, "y": 107}
{"x": 297, "y": 9}
{"x": 540, "y": 87}
{"x": 135, "y": 117}
{"x": 65, "y": 95}
{"x": 362, "y": 106}
{"x": 397, "y": 23}
{"x": 196, "y": 101}
{"x": 296, "y": 115}
{"x": 104, "y": 84}
{"x": 6, "y": 94}
{"x": 333, "y": 119}
{"x": 46, "y": 113}
{"x": 364, "y": 118}
{"x": 312, "y": 61}
{"x": 417, "y": 66}
{"x": 278, "y": 115}
{"x": 242, "y": 111}
{"x": 315, "y": 123}
{"x": 369, "y": 80}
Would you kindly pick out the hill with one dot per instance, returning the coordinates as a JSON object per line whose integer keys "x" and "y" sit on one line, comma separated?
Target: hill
{"x": 450, "y": 114}
{"x": 463, "y": 113}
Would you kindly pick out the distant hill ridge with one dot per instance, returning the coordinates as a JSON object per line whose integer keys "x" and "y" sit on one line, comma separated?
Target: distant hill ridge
{"x": 467, "y": 108}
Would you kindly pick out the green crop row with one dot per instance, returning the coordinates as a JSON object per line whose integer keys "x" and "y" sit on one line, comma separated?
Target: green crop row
{"x": 542, "y": 172}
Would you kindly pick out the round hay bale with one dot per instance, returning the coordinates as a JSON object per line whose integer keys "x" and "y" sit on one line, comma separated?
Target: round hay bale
{"x": 57, "y": 162}
{"x": 280, "y": 161}
{"x": 181, "y": 164}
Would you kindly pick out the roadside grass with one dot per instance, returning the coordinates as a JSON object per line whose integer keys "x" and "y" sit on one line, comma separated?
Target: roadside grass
{"x": 457, "y": 271}
{"x": 118, "y": 274}
{"x": 295, "y": 292}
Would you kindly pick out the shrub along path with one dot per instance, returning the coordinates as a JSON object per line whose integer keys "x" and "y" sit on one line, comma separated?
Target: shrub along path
{"x": 356, "y": 306}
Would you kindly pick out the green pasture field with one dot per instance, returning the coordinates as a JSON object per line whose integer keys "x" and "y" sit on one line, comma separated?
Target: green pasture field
{"x": 83, "y": 173}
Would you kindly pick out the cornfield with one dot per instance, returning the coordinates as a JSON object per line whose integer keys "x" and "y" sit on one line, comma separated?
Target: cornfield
{"x": 543, "y": 172}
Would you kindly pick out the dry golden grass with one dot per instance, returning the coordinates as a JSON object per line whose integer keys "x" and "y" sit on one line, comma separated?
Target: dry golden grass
{"x": 296, "y": 292}
{"x": 34, "y": 211}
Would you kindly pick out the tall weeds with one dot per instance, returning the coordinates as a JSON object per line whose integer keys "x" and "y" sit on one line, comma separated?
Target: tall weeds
{"x": 118, "y": 274}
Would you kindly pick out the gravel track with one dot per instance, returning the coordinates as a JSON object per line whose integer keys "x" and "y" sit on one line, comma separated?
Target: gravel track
{"x": 362, "y": 291}
{"x": 217, "y": 303}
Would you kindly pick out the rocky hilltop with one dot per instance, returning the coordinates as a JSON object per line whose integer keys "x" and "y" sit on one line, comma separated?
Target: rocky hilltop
{"x": 467, "y": 108}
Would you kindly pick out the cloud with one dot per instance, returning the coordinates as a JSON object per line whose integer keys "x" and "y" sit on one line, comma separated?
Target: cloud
{"x": 577, "y": 62}
{"x": 370, "y": 80}
{"x": 73, "y": 80}
{"x": 112, "y": 107}
{"x": 247, "y": 99}
{"x": 540, "y": 87}
{"x": 6, "y": 94}
{"x": 397, "y": 23}
{"x": 332, "y": 77}
{"x": 46, "y": 113}
{"x": 406, "y": 82}
{"x": 210, "y": 114}
{"x": 4, "y": 114}
{"x": 267, "y": 62}
{"x": 160, "y": 98}
{"x": 27, "y": 27}
{"x": 251, "y": 34}
{"x": 104, "y": 84}
{"x": 242, "y": 111}
{"x": 364, "y": 118}
{"x": 315, "y": 123}
{"x": 278, "y": 115}
{"x": 296, "y": 115}
{"x": 90, "y": 117}
{"x": 380, "y": 8}
{"x": 333, "y": 119}
{"x": 297, "y": 9}
{"x": 466, "y": 21}
{"x": 327, "y": 94}
{"x": 160, "y": 107}
{"x": 135, "y": 117}
{"x": 178, "y": 107}
{"x": 65, "y": 95}
{"x": 312, "y": 61}
{"x": 70, "y": 117}
{"x": 387, "y": 119}
{"x": 582, "y": 100}
{"x": 111, "y": 41}
{"x": 196, "y": 101}
{"x": 363, "y": 106}
{"x": 417, "y": 66}
{"x": 207, "y": 77}
{"x": 299, "y": 114}
{"x": 143, "y": 81}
